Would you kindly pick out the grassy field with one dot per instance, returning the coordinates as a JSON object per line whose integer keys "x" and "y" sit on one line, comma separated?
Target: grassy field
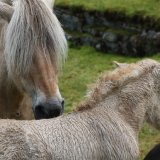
{"x": 130, "y": 7}
{"x": 82, "y": 68}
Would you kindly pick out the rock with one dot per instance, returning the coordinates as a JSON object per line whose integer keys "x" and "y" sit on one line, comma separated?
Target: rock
{"x": 95, "y": 29}
{"x": 98, "y": 46}
{"x": 157, "y": 36}
{"x": 71, "y": 22}
{"x": 105, "y": 22}
{"x": 69, "y": 37}
{"x": 151, "y": 34}
{"x": 89, "y": 20}
{"x": 91, "y": 31}
{"x": 109, "y": 37}
{"x": 114, "y": 47}
{"x": 87, "y": 40}
{"x": 144, "y": 33}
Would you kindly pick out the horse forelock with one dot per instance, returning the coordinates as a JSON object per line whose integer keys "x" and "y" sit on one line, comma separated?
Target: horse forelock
{"x": 33, "y": 28}
{"x": 115, "y": 79}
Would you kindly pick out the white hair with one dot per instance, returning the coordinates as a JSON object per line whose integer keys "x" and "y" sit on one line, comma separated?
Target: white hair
{"x": 33, "y": 29}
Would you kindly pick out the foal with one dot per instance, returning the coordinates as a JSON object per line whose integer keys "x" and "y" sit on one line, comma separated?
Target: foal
{"x": 104, "y": 127}
{"x": 33, "y": 49}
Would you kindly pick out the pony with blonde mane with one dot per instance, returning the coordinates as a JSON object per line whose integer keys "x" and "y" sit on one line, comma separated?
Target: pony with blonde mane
{"x": 103, "y": 127}
{"x": 32, "y": 50}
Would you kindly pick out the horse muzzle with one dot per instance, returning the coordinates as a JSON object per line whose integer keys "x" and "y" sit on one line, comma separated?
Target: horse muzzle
{"x": 48, "y": 109}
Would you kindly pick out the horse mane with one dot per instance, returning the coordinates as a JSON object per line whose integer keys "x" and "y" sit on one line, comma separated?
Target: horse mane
{"x": 113, "y": 80}
{"x": 33, "y": 29}
{"x": 7, "y": 1}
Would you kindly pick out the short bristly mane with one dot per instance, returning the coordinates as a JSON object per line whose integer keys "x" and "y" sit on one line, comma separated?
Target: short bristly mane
{"x": 33, "y": 30}
{"x": 113, "y": 80}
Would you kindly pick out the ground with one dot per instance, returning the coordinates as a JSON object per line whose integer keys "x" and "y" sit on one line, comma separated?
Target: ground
{"x": 83, "y": 66}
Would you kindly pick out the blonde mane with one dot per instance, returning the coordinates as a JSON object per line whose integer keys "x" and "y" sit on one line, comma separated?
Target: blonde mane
{"x": 33, "y": 31}
{"x": 113, "y": 80}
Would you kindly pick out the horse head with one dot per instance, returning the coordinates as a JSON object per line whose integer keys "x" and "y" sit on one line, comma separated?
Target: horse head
{"x": 151, "y": 68}
{"x": 35, "y": 48}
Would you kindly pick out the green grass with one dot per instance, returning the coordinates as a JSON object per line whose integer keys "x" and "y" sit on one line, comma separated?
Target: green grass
{"x": 130, "y": 7}
{"x": 83, "y": 67}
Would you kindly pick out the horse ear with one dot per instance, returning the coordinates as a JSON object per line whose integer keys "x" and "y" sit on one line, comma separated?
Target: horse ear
{"x": 156, "y": 71}
{"x": 117, "y": 64}
{"x": 6, "y": 11}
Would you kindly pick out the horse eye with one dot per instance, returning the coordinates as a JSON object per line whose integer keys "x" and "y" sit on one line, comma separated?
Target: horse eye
{"x": 18, "y": 114}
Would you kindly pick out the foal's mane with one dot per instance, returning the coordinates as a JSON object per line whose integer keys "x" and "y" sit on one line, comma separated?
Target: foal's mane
{"x": 33, "y": 29}
{"x": 115, "y": 79}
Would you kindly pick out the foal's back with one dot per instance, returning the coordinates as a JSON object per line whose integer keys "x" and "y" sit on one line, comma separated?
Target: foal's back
{"x": 82, "y": 136}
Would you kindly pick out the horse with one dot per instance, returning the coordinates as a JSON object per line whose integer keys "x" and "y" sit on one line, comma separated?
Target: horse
{"x": 104, "y": 126}
{"x": 32, "y": 51}
{"x": 154, "y": 153}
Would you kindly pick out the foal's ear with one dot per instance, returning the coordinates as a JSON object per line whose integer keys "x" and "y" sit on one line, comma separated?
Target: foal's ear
{"x": 117, "y": 64}
{"x": 6, "y": 11}
{"x": 156, "y": 71}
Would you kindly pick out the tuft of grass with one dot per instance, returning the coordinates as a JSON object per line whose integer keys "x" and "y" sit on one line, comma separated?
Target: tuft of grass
{"x": 83, "y": 67}
{"x": 130, "y": 7}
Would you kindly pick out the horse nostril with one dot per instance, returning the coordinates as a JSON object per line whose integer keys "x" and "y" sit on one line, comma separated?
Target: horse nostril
{"x": 55, "y": 113}
{"x": 39, "y": 112}
{"x": 62, "y": 103}
{"x": 62, "y": 106}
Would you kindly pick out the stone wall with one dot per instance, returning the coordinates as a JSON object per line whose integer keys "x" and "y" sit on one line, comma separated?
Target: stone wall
{"x": 110, "y": 32}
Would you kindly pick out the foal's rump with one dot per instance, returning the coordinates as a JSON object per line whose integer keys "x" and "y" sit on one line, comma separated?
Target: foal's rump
{"x": 66, "y": 138}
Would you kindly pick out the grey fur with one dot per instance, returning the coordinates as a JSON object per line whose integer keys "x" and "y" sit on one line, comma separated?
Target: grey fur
{"x": 104, "y": 127}
{"x": 6, "y": 11}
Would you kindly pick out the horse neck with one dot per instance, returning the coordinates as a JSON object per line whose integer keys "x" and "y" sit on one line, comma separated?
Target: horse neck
{"x": 10, "y": 97}
{"x": 128, "y": 102}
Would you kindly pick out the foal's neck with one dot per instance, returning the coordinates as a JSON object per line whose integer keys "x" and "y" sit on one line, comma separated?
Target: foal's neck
{"x": 129, "y": 103}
